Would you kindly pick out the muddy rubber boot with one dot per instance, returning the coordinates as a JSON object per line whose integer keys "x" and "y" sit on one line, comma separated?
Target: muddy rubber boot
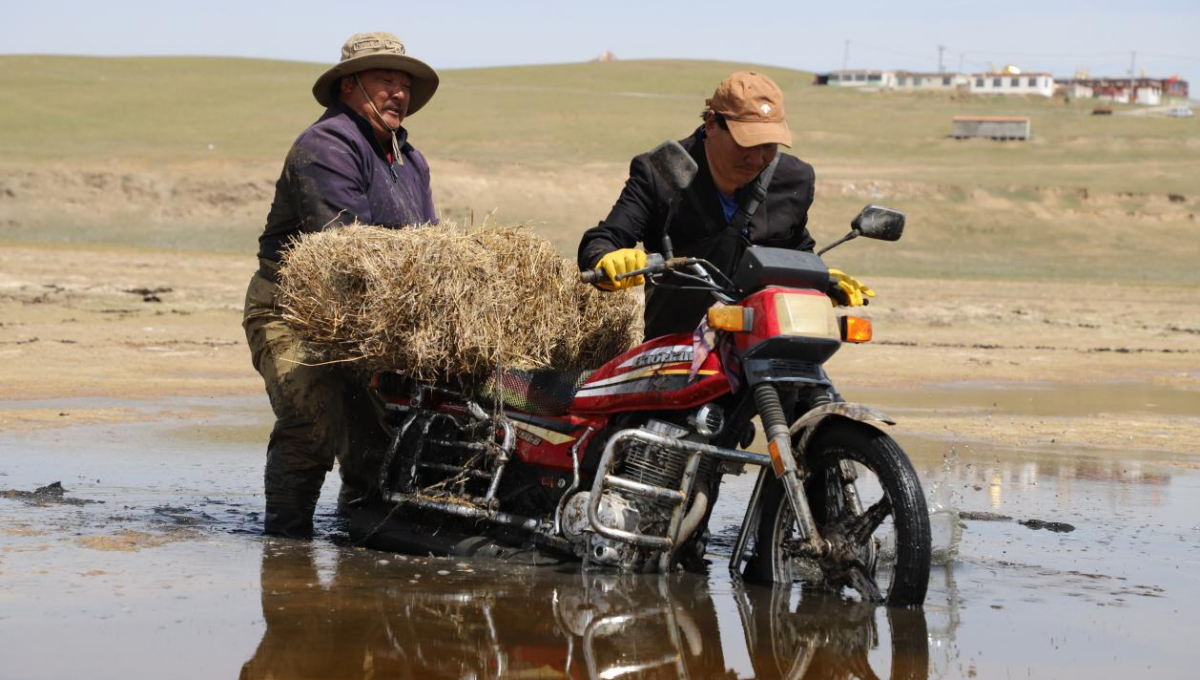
{"x": 288, "y": 520}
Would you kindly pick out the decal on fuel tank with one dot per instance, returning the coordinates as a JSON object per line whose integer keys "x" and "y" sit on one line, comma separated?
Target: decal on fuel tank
{"x": 658, "y": 356}
{"x": 656, "y": 378}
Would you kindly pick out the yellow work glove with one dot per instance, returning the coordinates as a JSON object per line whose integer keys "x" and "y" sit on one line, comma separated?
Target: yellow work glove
{"x": 854, "y": 289}
{"x": 619, "y": 262}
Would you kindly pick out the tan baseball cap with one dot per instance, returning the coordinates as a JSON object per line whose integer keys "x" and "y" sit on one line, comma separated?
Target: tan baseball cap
{"x": 365, "y": 51}
{"x": 753, "y": 107}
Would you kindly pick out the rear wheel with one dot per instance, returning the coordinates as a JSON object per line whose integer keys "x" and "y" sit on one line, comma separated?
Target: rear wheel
{"x": 868, "y": 506}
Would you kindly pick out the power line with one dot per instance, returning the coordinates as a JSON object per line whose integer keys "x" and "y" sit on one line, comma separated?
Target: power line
{"x": 1010, "y": 53}
{"x": 1171, "y": 56}
{"x": 982, "y": 59}
{"x": 890, "y": 50}
{"x": 995, "y": 52}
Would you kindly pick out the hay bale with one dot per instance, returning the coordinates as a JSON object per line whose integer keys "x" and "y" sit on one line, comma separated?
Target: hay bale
{"x": 437, "y": 302}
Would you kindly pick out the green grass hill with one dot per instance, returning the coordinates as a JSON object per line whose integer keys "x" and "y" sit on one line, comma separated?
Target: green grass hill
{"x": 1087, "y": 197}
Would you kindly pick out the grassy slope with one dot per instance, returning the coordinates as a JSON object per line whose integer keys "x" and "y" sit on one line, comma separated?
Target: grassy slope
{"x": 171, "y": 109}
{"x": 150, "y": 109}
{"x": 976, "y": 207}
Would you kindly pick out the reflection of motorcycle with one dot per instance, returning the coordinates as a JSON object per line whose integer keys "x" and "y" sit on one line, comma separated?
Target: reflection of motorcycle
{"x": 514, "y": 622}
{"x": 661, "y": 629}
{"x": 620, "y": 466}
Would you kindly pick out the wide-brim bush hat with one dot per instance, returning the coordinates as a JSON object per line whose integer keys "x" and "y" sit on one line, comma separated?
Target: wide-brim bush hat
{"x": 365, "y": 51}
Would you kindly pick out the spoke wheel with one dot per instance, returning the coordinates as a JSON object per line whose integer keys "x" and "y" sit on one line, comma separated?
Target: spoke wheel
{"x": 870, "y": 511}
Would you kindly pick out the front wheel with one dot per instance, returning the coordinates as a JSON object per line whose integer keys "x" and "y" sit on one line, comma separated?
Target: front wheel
{"x": 869, "y": 509}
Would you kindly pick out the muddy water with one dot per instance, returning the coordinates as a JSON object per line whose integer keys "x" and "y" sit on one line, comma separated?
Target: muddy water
{"x": 162, "y": 572}
{"x": 1042, "y": 400}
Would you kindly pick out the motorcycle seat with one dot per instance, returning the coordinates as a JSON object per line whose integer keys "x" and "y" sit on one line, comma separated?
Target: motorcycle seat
{"x": 545, "y": 392}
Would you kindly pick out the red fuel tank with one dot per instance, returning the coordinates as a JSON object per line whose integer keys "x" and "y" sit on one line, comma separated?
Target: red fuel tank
{"x": 652, "y": 376}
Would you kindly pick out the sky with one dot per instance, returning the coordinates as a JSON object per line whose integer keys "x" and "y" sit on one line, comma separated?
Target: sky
{"x": 1059, "y": 36}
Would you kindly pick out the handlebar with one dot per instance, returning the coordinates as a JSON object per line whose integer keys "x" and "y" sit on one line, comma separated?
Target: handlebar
{"x": 703, "y": 273}
{"x": 835, "y": 292}
{"x": 654, "y": 265}
{"x": 592, "y": 276}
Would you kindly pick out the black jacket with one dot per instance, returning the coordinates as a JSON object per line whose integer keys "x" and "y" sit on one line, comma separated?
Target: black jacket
{"x": 640, "y": 214}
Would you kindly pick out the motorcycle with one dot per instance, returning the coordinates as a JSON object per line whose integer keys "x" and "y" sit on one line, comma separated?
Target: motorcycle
{"x": 619, "y": 467}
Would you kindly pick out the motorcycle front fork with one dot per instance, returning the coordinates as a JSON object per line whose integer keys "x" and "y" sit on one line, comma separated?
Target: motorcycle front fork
{"x": 773, "y": 414}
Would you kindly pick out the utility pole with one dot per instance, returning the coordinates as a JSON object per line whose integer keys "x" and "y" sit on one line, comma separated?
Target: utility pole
{"x": 1132, "y": 64}
{"x": 961, "y": 56}
{"x": 941, "y": 64}
{"x": 846, "y": 57}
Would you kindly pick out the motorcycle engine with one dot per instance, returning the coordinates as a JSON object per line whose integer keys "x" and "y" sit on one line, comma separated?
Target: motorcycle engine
{"x": 640, "y": 462}
{"x": 654, "y": 465}
{"x": 614, "y": 511}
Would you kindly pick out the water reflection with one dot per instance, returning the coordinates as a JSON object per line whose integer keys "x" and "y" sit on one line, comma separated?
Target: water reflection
{"x": 353, "y": 613}
{"x": 992, "y": 476}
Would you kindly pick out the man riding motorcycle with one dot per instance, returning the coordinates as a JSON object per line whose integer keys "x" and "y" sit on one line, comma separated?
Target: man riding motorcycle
{"x": 745, "y": 193}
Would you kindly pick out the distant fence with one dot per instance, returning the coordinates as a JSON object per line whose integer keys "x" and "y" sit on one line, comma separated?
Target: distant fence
{"x": 1002, "y": 128}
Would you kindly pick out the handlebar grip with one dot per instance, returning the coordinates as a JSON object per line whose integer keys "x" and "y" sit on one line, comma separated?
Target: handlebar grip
{"x": 654, "y": 263}
{"x": 592, "y": 276}
{"x": 835, "y": 291}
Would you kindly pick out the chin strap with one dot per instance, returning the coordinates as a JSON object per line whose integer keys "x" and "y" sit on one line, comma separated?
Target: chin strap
{"x": 397, "y": 158}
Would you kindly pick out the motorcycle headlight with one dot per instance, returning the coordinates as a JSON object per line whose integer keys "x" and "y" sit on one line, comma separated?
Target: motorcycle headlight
{"x": 807, "y": 315}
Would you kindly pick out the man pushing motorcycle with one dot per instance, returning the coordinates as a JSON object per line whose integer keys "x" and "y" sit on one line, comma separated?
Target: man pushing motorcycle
{"x": 745, "y": 193}
{"x": 353, "y": 165}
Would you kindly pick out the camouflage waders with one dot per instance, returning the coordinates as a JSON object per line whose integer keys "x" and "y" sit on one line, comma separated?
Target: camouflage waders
{"x": 322, "y": 414}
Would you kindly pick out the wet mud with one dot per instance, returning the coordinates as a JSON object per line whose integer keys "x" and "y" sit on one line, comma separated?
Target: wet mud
{"x": 52, "y": 493}
{"x": 159, "y": 568}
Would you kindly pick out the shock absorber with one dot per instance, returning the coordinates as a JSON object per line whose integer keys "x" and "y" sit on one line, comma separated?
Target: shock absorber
{"x": 770, "y": 410}
{"x": 779, "y": 445}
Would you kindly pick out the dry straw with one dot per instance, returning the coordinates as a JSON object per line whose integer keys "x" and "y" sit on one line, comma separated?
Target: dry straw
{"x": 440, "y": 302}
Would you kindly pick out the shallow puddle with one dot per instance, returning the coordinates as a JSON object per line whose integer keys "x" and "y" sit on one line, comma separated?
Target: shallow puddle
{"x": 1040, "y": 400}
{"x": 166, "y": 572}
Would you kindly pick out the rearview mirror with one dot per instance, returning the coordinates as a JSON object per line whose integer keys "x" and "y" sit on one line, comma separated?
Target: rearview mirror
{"x": 675, "y": 165}
{"x": 677, "y": 168}
{"x": 873, "y": 222}
{"x": 878, "y": 222}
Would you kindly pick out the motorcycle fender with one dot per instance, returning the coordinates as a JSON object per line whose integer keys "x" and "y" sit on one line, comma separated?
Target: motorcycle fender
{"x": 808, "y": 423}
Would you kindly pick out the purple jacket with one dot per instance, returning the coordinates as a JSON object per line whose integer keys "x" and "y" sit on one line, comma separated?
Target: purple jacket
{"x": 336, "y": 173}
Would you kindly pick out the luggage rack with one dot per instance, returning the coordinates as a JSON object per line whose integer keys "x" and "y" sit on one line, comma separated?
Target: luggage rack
{"x": 484, "y": 507}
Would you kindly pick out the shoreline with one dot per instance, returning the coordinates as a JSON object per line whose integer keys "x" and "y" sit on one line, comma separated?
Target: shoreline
{"x": 132, "y": 326}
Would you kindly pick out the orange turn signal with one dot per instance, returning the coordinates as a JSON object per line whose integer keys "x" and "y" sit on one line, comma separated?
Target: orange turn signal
{"x": 731, "y": 318}
{"x": 855, "y": 329}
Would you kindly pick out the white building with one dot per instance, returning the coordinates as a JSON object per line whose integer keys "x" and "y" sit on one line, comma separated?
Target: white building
{"x": 1012, "y": 83}
{"x": 1072, "y": 89}
{"x": 1145, "y": 91}
{"x": 1149, "y": 95}
{"x": 862, "y": 78}
{"x": 908, "y": 80}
